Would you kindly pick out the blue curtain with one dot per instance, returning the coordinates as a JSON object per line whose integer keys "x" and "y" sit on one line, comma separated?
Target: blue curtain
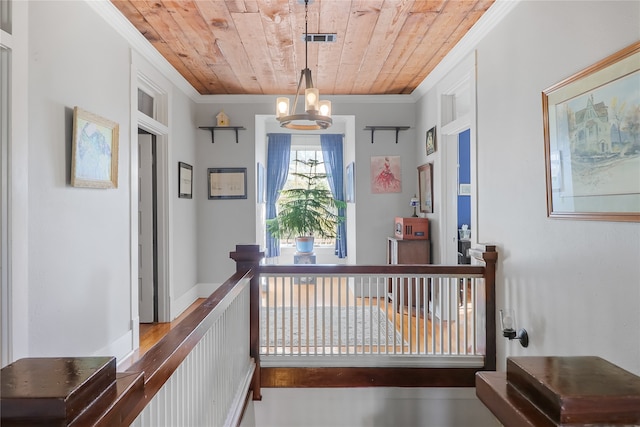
{"x": 278, "y": 155}
{"x": 333, "y": 163}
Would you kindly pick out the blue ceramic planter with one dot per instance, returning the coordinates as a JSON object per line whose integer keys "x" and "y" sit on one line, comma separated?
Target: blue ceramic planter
{"x": 304, "y": 244}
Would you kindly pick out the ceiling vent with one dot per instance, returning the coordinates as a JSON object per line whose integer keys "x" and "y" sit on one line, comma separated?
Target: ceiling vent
{"x": 321, "y": 37}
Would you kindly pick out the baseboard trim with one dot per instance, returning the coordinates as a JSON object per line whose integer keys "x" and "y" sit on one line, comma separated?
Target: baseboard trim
{"x": 206, "y": 289}
{"x": 121, "y": 348}
{"x": 199, "y": 290}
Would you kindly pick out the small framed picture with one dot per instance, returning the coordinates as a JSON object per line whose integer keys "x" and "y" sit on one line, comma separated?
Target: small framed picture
{"x": 425, "y": 184}
{"x": 227, "y": 183}
{"x": 94, "y": 157}
{"x": 185, "y": 180}
{"x": 431, "y": 141}
{"x": 386, "y": 174}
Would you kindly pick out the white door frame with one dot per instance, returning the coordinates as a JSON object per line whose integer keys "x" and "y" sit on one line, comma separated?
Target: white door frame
{"x": 145, "y": 77}
{"x": 162, "y": 214}
{"x": 14, "y": 289}
{"x": 457, "y": 113}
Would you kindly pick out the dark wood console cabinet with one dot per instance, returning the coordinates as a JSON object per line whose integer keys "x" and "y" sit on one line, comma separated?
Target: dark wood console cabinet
{"x": 401, "y": 251}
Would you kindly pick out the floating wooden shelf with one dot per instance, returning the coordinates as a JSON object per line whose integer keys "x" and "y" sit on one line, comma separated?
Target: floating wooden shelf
{"x": 396, "y": 128}
{"x": 214, "y": 128}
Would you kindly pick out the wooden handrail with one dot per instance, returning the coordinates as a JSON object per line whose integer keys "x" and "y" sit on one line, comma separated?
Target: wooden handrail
{"x": 164, "y": 358}
{"x": 485, "y": 259}
{"x": 391, "y": 269}
{"x": 118, "y": 401}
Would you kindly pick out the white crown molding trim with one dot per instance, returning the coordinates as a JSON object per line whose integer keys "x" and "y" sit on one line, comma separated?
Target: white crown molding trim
{"x": 138, "y": 42}
{"x": 271, "y": 99}
{"x": 480, "y": 29}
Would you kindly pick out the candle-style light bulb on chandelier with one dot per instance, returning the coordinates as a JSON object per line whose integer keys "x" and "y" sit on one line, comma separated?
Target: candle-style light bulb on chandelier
{"x": 317, "y": 114}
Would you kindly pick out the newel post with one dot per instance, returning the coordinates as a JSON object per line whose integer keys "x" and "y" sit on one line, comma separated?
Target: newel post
{"x": 247, "y": 257}
{"x": 490, "y": 257}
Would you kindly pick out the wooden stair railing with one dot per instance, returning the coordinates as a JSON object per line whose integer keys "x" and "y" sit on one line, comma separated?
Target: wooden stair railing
{"x": 87, "y": 391}
{"x": 379, "y": 376}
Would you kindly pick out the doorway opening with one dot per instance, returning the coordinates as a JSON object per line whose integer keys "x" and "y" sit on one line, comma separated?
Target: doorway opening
{"x": 456, "y": 108}
{"x": 457, "y": 219}
{"x": 147, "y": 229}
{"x": 150, "y": 227}
{"x": 464, "y": 197}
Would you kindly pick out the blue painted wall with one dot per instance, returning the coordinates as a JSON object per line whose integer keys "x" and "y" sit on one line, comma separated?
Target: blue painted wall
{"x": 464, "y": 177}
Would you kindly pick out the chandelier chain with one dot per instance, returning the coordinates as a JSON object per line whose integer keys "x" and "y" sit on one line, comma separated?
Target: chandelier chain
{"x": 306, "y": 33}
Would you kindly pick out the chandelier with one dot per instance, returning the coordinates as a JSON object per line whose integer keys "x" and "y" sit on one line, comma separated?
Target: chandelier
{"x": 317, "y": 114}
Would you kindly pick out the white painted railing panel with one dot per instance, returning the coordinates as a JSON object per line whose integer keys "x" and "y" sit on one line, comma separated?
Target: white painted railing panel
{"x": 406, "y": 320}
{"x": 210, "y": 385}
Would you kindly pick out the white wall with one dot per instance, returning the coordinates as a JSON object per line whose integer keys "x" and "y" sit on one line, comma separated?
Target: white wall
{"x": 79, "y": 290}
{"x": 79, "y": 240}
{"x": 376, "y": 212}
{"x": 373, "y": 406}
{"x": 224, "y": 223}
{"x": 574, "y": 285}
{"x": 183, "y": 215}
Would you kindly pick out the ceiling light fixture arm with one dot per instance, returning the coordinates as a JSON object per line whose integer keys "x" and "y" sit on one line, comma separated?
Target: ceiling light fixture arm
{"x": 317, "y": 114}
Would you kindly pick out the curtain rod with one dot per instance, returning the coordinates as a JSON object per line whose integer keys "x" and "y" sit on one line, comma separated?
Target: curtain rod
{"x": 304, "y": 134}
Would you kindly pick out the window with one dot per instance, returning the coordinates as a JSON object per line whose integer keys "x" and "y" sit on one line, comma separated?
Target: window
{"x": 5, "y": 16}
{"x": 304, "y": 153}
{"x": 146, "y": 103}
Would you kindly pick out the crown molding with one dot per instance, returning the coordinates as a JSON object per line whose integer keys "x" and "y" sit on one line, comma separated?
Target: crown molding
{"x": 139, "y": 43}
{"x": 271, "y": 99}
{"x": 498, "y": 10}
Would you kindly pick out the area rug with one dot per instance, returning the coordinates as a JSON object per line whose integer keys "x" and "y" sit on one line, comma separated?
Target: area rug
{"x": 344, "y": 326}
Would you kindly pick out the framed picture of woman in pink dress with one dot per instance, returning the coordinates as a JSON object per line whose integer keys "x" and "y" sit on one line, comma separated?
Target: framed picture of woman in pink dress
{"x": 386, "y": 174}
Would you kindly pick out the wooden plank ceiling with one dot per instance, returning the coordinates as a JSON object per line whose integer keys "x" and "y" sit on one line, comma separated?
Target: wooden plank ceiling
{"x": 257, "y": 46}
